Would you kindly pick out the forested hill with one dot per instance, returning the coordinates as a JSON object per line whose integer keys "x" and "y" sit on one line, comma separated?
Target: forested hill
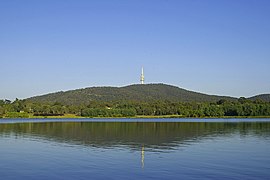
{"x": 141, "y": 93}
{"x": 263, "y": 97}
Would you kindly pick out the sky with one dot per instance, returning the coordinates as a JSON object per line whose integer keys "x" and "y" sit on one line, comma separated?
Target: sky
{"x": 215, "y": 47}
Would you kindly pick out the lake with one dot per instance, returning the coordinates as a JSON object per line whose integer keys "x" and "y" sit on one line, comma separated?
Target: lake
{"x": 135, "y": 149}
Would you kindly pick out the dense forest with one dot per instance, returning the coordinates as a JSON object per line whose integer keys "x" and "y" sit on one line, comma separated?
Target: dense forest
{"x": 220, "y": 108}
{"x": 136, "y": 92}
{"x": 135, "y": 100}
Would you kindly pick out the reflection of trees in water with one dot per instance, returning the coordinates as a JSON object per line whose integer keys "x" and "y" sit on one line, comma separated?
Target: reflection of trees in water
{"x": 156, "y": 135}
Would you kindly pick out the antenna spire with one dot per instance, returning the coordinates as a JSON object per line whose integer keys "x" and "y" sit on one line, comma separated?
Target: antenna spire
{"x": 142, "y": 77}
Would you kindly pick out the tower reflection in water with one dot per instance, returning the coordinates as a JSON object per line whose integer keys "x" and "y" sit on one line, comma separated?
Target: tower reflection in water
{"x": 142, "y": 156}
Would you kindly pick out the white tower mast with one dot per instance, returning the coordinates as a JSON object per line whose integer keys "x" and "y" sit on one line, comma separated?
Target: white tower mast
{"x": 142, "y": 77}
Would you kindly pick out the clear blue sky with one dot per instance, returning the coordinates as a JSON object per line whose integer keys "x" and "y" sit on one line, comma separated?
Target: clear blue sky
{"x": 211, "y": 46}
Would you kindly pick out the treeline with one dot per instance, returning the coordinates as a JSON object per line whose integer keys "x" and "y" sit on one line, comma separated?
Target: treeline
{"x": 221, "y": 108}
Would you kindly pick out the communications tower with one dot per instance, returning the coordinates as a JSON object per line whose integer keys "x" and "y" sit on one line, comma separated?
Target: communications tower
{"x": 142, "y": 77}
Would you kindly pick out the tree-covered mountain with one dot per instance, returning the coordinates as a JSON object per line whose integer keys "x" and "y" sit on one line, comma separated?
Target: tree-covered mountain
{"x": 136, "y": 100}
{"x": 263, "y": 97}
{"x": 138, "y": 93}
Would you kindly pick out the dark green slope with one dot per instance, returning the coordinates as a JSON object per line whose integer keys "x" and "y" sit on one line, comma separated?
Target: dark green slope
{"x": 263, "y": 97}
{"x": 171, "y": 93}
{"x": 147, "y": 92}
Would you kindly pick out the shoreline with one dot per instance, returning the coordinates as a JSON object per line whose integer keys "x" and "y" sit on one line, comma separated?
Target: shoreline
{"x": 73, "y": 116}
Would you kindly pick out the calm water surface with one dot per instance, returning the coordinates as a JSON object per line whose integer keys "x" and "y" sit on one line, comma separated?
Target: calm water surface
{"x": 141, "y": 149}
